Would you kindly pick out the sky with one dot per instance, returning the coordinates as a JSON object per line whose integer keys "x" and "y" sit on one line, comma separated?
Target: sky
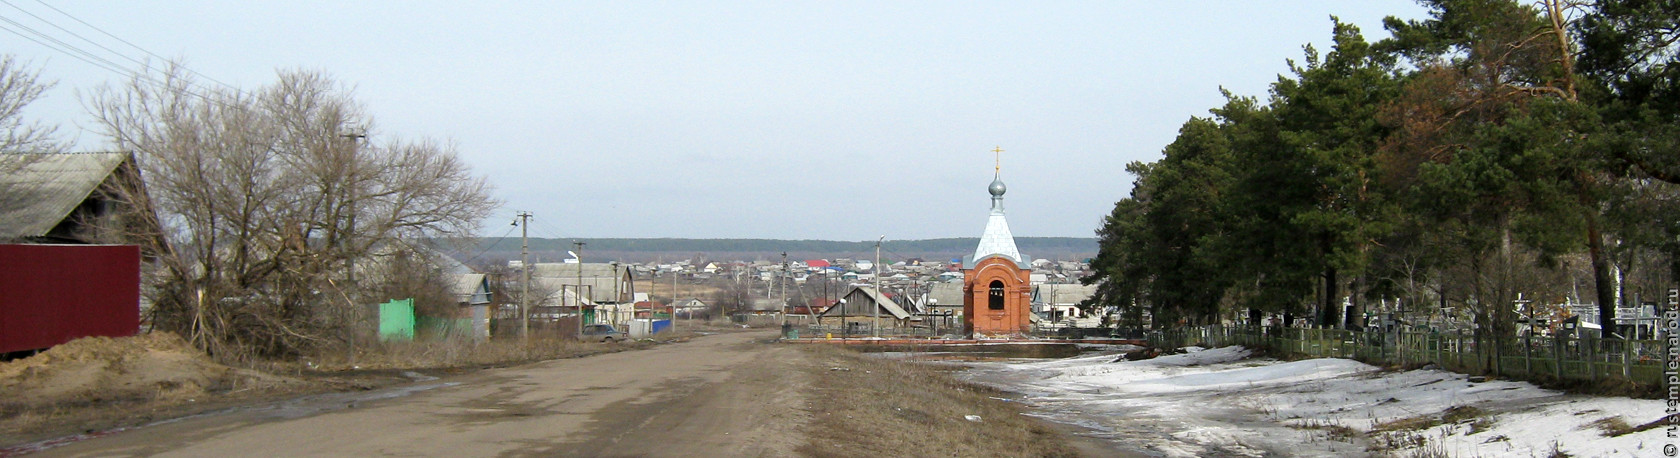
{"x": 774, "y": 119}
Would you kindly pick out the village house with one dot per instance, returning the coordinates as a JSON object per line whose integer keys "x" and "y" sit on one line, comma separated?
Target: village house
{"x": 76, "y": 198}
{"x": 60, "y": 279}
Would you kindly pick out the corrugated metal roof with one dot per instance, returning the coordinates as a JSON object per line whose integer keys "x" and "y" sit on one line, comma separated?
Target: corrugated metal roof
{"x": 45, "y": 188}
{"x": 1063, "y": 294}
{"x": 564, "y": 270}
{"x": 946, "y": 294}
{"x": 470, "y": 285}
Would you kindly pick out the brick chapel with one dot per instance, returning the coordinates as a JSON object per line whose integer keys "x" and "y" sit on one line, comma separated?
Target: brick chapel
{"x": 997, "y": 288}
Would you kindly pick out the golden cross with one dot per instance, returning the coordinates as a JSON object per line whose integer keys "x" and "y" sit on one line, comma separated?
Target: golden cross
{"x": 997, "y": 152}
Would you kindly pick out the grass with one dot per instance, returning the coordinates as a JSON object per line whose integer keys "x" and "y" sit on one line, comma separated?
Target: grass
{"x": 869, "y": 406}
{"x": 1331, "y": 431}
{"x": 1454, "y": 415}
{"x": 1408, "y": 433}
{"x": 454, "y": 354}
{"x": 1612, "y": 426}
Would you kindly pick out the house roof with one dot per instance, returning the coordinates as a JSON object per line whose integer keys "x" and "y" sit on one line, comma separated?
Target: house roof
{"x": 469, "y": 283}
{"x": 570, "y": 270}
{"x": 1062, "y": 294}
{"x": 597, "y": 277}
{"x": 42, "y": 189}
{"x": 946, "y": 294}
{"x": 690, "y": 304}
{"x": 473, "y": 288}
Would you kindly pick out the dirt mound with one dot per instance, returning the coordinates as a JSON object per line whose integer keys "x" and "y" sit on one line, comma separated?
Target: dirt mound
{"x": 154, "y": 366}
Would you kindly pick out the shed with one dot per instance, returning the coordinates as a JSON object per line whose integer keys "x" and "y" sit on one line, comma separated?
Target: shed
{"x": 864, "y": 302}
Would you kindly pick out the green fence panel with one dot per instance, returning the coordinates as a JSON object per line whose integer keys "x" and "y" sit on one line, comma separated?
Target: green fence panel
{"x": 396, "y": 320}
{"x": 431, "y": 327}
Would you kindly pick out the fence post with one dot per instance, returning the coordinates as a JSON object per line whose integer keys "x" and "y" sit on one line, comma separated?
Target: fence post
{"x": 1592, "y": 358}
{"x": 1627, "y": 359}
{"x": 1358, "y": 336}
{"x": 1400, "y": 348}
{"x": 1458, "y": 344}
{"x": 1557, "y": 356}
{"x": 1528, "y": 353}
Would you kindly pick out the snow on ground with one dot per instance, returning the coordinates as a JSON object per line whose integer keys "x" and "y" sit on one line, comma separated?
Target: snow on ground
{"x": 1219, "y": 402}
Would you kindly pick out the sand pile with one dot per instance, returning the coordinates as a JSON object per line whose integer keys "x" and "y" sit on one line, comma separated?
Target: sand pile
{"x": 154, "y": 366}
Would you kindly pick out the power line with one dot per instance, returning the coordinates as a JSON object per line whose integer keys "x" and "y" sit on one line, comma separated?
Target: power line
{"x": 555, "y": 232}
{"x": 72, "y": 33}
{"x": 486, "y": 249}
{"x": 114, "y": 37}
{"x": 91, "y": 58}
{"x": 61, "y": 46}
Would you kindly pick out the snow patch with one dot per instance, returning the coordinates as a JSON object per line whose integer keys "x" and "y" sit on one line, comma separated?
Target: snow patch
{"x": 1219, "y": 402}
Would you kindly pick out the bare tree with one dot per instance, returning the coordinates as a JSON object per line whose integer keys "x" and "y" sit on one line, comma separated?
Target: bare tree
{"x": 274, "y": 202}
{"x": 19, "y": 87}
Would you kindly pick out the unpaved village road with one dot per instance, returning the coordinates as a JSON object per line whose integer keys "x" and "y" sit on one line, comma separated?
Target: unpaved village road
{"x": 716, "y": 395}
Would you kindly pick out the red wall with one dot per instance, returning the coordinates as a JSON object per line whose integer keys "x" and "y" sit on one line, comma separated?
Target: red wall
{"x": 50, "y": 294}
{"x": 1016, "y": 317}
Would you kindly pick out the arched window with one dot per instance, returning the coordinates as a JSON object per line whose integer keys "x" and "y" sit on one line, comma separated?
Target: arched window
{"x": 995, "y": 302}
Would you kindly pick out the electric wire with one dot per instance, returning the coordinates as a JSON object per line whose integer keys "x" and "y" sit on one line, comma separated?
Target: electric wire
{"x": 72, "y": 33}
{"x": 114, "y": 37}
{"x": 77, "y": 52}
{"x": 486, "y": 249}
{"x": 60, "y": 46}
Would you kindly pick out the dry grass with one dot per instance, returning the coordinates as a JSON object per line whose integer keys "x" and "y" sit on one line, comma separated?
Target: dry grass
{"x": 1409, "y": 433}
{"x": 1456, "y": 414}
{"x": 449, "y": 354}
{"x": 1612, "y": 426}
{"x": 868, "y": 406}
{"x": 1331, "y": 431}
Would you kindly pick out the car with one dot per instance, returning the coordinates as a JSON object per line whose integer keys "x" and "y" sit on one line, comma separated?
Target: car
{"x": 602, "y": 333}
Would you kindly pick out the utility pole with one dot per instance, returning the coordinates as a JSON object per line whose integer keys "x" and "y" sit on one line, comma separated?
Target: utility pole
{"x": 618, "y": 294}
{"x": 875, "y": 312}
{"x": 578, "y": 293}
{"x": 525, "y": 275}
{"x": 783, "y": 307}
{"x": 673, "y": 302}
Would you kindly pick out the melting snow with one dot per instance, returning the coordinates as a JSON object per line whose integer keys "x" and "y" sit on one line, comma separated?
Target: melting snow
{"x": 1220, "y": 402}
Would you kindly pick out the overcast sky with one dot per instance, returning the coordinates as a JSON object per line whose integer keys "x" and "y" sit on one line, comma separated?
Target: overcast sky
{"x": 777, "y": 119}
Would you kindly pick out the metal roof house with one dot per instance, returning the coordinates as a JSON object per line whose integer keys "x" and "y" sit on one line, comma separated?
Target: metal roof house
{"x": 62, "y": 276}
{"x": 75, "y": 198}
{"x": 599, "y": 280}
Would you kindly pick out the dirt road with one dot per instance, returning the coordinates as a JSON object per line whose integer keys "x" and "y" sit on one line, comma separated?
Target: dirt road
{"x": 717, "y": 395}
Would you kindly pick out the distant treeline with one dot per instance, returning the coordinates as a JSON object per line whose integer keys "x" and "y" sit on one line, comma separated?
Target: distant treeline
{"x": 1053, "y": 247}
